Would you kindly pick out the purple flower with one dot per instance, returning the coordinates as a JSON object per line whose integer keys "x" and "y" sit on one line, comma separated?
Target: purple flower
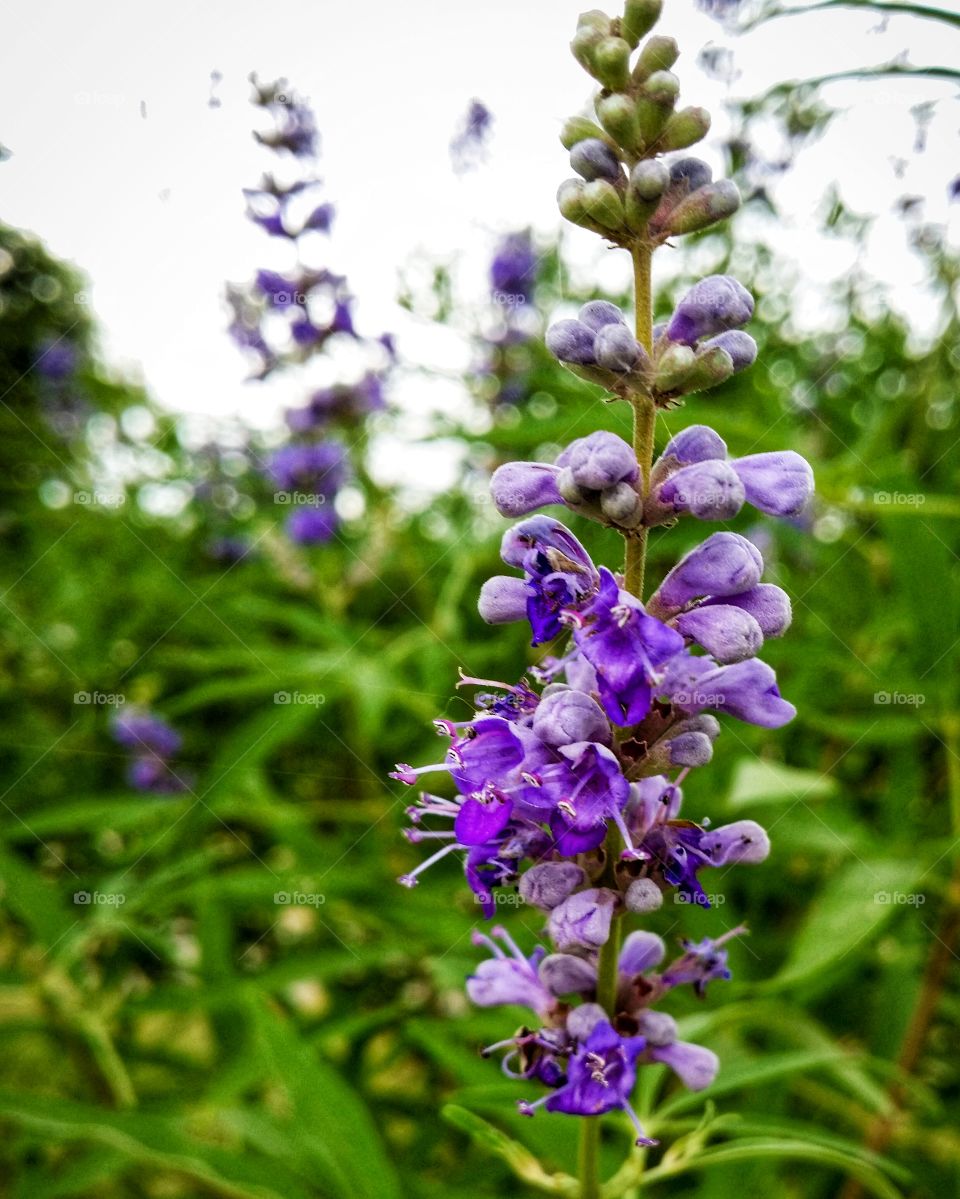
{"x": 144, "y": 732}
{"x": 625, "y": 646}
{"x": 702, "y": 962}
{"x": 547, "y": 884}
{"x": 778, "y": 483}
{"x": 469, "y": 144}
{"x": 713, "y": 305}
{"x": 521, "y": 487}
{"x": 312, "y": 525}
{"x": 724, "y": 564}
{"x": 513, "y": 270}
{"x": 599, "y": 460}
{"x": 508, "y": 977}
{"x": 583, "y": 920}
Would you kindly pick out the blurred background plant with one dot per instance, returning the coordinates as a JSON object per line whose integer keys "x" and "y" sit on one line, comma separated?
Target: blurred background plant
{"x": 219, "y": 991}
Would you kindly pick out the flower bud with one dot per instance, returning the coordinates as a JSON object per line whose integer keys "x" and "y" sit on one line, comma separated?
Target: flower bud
{"x": 639, "y": 17}
{"x": 565, "y": 974}
{"x": 689, "y": 174}
{"x": 674, "y": 367}
{"x": 521, "y": 487}
{"x": 724, "y": 564}
{"x": 583, "y": 920}
{"x": 704, "y": 207}
{"x": 768, "y": 604}
{"x": 739, "y": 345}
{"x": 600, "y": 460}
{"x": 550, "y": 883}
{"x": 617, "y": 113}
{"x": 503, "y": 599}
{"x": 569, "y": 716}
{"x": 570, "y": 202}
{"x": 597, "y": 313}
{"x": 571, "y": 341}
{"x": 593, "y": 159}
{"x": 713, "y": 305}
{"x": 697, "y": 443}
{"x": 602, "y": 202}
{"x": 589, "y": 35}
{"x": 707, "y": 490}
{"x": 641, "y": 951}
{"x": 567, "y": 486}
{"x": 648, "y": 180}
{"x": 742, "y": 841}
{"x": 616, "y": 349}
{"x": 611, "y": 63}
{"x": 687, "y": 749}
{"x": 643, "y": 896}
{"x": 727, "y": 633}
{"x": 622, "y": 505}
{"x": 779, "y": 483}
{"x": 578, "y": 129}
{"x": 655, "y": 104}
{"x": 712, "y": 366}
{"x": 659, "y": 54}
{"x": 685, "y": 128}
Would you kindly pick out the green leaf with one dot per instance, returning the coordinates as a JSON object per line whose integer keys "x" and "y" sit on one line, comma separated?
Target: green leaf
{"x": 758, "y": 782}
{"x": 850, "y": 910}
{"x": 520, "y": 1160}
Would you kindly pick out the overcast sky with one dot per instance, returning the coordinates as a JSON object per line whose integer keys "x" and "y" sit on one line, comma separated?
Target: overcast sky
{"x": 120, "y": 163}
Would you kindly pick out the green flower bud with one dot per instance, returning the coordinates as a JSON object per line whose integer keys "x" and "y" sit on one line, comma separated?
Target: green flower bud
{"x": 611, "y": 63}
{"x": 594, "y": 18}
{"x": 570, "y": 201}
{"x": 708, "y": 204}
{"x": 584, "y": 44}
{"x": 618, "y": 115}
{"x": 663, "y": 87}
{"x": 712, "y": 367}
{"x": 603, "y": 204}
{"x": 622, "y": 505}
{"x": 568, "y": 488}
{"x": 659, "y": 54}
{"x": 648, "y": 181}
{"x": 674, "y": 367}
{"x": 639, "y": 17}
{"x": 578, "y": 129}
{"x": 685, "y": 128}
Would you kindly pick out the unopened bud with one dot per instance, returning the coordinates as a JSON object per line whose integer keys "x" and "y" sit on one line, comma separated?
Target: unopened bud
{"x": 643, "y": 896}
{"x": 616, "y": 349}
{"x": 655, "y": 105}
{"x": 578, "y": 129}
{"x": 639, "y": 17}
{"x": 648, "y": 180}
{"x": 674, "y": 367}
{"x": 659, "y": 54}
{"x": 584, "y": 45}
{"x": 570, "y": 201}
{"x": 704, "y": 207}
{"x": 622, "y": 505}
{"x": 602, "y": 203}
{"x": 685, "y": 128}
{"x": 567, "y": 487}
{"x": 713, "y": 366}
{"x": 611, "y": 63}
{"x": 593, "y": 159}
{"x": 617, "y": 113}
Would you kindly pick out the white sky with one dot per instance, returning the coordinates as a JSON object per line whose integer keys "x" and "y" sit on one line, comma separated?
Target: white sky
{"x": 151, "y": 207}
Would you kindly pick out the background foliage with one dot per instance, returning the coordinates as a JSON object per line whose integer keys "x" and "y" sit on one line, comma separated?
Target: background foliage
{"x": 205, "y": 1037}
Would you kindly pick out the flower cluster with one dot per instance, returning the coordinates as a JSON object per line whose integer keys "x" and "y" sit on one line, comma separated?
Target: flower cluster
{"x": 568, "y": 784}
{"x": 152, "y": 745}
{"x": 503, "y": 369}
{"x": 285, "y": 318}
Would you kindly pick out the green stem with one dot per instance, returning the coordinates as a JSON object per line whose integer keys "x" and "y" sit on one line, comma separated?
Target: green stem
{"x": 644, "y": 414}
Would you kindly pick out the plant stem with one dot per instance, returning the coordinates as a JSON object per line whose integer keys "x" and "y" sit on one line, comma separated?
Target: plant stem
{"x": 644, "y": 423}
{"x": 644, "y": 414}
